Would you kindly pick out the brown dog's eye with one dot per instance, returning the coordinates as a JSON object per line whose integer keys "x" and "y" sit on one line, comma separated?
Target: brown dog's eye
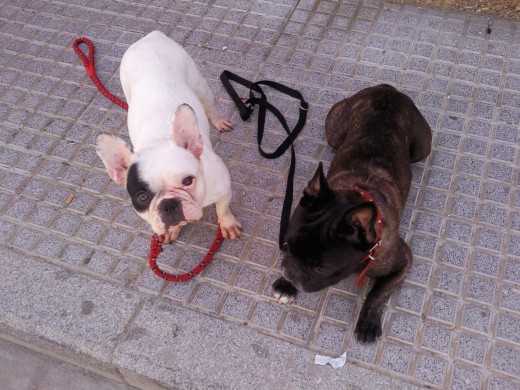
{"x": 187, "y": 181}
{"x": 142, "y": 196}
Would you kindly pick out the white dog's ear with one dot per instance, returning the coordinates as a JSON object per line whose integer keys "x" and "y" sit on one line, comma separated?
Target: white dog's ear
{"x": 185, "y": 130}
{"x": 116, "y": 156}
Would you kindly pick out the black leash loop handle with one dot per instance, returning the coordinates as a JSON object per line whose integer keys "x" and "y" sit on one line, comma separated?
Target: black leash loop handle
{"x": 246, "y": 109}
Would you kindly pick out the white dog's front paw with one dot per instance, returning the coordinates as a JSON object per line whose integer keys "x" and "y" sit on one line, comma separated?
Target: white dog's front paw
{"x": 230, "y": 228}
{"x": 172, "y": 234}
{"x": 221, "y": 123}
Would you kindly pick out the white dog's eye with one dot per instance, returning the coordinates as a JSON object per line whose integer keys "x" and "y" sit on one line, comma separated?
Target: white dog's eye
{"x": 142, "y": 196}
{"x": 187, "y": 181}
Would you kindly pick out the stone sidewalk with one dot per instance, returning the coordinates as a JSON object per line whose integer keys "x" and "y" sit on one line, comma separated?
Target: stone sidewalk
{"x": 75, "y": 285}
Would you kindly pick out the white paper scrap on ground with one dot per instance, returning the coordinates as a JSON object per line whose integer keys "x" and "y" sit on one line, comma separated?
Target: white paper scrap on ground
{"x": 334, "y": 362}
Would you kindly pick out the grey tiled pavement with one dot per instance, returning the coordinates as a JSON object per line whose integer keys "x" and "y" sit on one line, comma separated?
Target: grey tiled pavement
{"x": 74, "y": 281}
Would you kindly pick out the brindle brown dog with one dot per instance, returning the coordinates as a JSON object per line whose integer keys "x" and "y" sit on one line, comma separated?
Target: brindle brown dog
{"x": 348, "y": 222}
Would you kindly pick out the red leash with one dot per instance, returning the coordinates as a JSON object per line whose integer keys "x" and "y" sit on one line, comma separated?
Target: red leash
{"x": 156, "y": 248}
{"x": 88, "y": 63}
{"x": 156, "y": 243}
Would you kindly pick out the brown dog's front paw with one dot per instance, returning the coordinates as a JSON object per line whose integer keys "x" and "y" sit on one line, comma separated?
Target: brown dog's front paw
{"x": 284, "y": 291}
{"x": 368, "y": 330}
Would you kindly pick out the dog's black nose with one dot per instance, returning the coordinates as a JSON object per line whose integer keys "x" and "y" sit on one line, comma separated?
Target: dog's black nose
{"x": 170, "y": 211}
{"x": 169, "y": 206}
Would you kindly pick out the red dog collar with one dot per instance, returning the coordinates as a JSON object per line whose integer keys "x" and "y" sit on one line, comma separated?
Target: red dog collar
{"x": 372, "y": 254}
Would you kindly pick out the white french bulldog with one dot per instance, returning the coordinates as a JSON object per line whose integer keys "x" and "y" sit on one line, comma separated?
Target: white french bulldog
{"x": 172, "y": 172}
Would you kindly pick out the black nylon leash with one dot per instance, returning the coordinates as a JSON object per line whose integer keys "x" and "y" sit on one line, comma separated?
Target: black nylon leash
{"x": 246, "y": 109}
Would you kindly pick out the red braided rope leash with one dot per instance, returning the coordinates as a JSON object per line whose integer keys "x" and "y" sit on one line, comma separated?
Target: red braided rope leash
{"x": 88, "y": 63}
{"x": 156, "y": 248}
{"x": 156, "y": 242}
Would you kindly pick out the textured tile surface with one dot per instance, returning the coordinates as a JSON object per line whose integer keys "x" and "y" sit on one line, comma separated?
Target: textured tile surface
{"x": 455, "y": 321}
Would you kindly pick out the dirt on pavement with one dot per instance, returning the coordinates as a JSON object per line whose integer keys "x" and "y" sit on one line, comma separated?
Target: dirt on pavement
{"x": 504, "y": 8}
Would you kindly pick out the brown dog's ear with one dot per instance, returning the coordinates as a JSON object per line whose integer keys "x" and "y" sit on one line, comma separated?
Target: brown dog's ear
{"x": 318, "y": 184}
{"x": 185, "y": 130}
{"x": 116, "y": 156}
{"x": 363, "y": 218}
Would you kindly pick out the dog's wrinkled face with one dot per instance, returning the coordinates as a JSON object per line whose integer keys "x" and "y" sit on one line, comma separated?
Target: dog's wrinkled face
{"x": 328, "y": 235}
{"x": 164, "y": 179}
{"x": 168, "y": 190}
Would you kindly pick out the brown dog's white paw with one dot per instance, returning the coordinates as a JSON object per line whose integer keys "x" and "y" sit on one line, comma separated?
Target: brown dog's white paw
{"x": 283, "y": 299}
{"x": 283, "y": 291}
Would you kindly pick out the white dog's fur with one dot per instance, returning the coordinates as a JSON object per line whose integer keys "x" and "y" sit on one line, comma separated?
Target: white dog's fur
{"x": 172, "y": 157}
